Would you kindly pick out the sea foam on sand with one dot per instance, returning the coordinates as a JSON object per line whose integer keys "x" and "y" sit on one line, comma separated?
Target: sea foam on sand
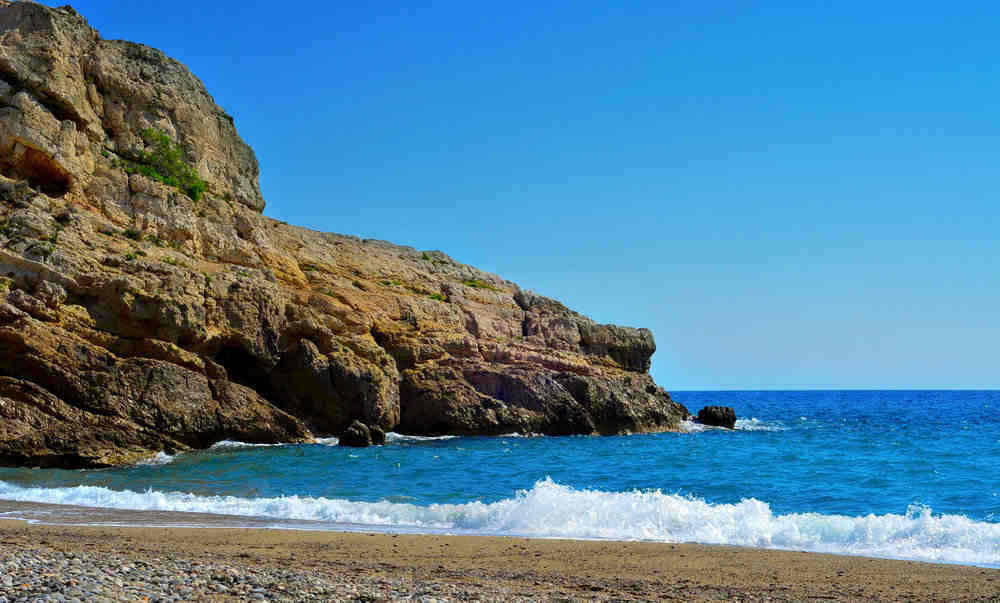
{"x": 552, "y": 510}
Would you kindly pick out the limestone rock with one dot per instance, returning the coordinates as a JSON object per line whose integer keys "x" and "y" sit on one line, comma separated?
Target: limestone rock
{"x": 68, "y": 98}
{"x": 135, "y": 319}
{"x": 717, "y": 416}
{"x": 97, "y": 410}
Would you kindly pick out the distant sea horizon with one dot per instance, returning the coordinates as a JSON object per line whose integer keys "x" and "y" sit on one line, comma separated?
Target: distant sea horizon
{"x": 835, "y": 389}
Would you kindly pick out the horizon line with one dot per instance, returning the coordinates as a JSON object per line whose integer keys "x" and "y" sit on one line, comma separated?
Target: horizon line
{"x": 837, "y": 389}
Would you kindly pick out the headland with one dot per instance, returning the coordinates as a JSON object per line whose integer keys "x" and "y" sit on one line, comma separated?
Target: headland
{"x": 148, "y": 306}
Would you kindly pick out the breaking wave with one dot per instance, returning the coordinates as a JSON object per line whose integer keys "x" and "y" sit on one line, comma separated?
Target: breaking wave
{"x": 754, "y": 424}
{"x": 751, "y": 424}
{"x": 224, "y": 444}
{"x": 393, "y": 437}
{"x": 551, "y": 510}
{"x": 390, "y": 438}
{"x": 160, "y": 458}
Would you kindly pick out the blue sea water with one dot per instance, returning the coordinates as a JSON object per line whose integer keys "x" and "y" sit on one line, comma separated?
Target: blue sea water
{"x": 899, "y": 474}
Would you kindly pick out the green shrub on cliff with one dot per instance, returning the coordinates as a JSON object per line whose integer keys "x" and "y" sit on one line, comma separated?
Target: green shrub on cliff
{"x": 165, "y": 163}
{"x": 478, "y": 284}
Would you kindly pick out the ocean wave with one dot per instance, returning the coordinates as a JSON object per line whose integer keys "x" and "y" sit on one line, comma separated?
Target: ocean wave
{"x": 751, "y": 424}
{"x": 160, "y": 458}
{"x": 392, "y": 437}
{"x": 552, "y": 510}
{"x": 689, "y": 426}
{"x": 225, "y": 444}
{"x": 754, "y": 424}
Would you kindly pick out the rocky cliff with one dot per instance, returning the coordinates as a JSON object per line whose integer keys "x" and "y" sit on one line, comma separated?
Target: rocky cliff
{"x": 135, "y": 319}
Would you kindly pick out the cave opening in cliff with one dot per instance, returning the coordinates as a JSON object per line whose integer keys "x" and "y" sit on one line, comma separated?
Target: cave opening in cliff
{"x": 243, "y": 368}
{"x": 42, "y": 173}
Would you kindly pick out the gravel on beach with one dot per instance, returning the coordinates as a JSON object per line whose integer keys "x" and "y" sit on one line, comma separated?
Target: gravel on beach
{"x": 51, "y": 575}
{"x": 48, "y": 575}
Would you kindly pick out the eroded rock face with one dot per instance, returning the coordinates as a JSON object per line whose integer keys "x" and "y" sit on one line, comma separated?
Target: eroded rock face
{"x": 69, "y": 403}
{"x": 134, "y": 319}
{"x": 72, "y": 103}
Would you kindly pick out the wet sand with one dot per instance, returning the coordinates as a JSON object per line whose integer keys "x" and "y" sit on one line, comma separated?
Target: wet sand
{"x": 499, "y": 568}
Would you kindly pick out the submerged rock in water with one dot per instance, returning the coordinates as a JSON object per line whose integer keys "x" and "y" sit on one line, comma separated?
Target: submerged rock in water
{"x": 378, "y": 436}
{"x": 143, "y": 312}
{"x": 357, "y": 435}
{"x": 717, "y": 416}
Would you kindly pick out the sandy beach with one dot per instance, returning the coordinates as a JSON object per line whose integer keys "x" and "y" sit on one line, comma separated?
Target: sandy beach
{"x": 133, "y": 563}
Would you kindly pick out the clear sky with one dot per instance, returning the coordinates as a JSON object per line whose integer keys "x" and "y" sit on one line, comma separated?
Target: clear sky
{"x": 789, "y": 194}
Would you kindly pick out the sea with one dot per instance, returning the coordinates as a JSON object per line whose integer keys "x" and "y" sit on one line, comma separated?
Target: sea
{"x": 895, "y": 474}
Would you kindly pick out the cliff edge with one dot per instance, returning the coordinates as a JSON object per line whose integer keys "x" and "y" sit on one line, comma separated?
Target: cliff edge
{"x": 140, "y": 315}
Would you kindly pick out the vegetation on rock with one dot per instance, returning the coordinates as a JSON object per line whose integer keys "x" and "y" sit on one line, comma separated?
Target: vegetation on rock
{"x": 476, "y": 283}
{"x": 166, "y": 164}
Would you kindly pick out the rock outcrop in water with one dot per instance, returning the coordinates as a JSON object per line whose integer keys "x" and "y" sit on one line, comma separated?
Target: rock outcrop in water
{"x": 135, "y": 319}
{"x": 717, "y": 416}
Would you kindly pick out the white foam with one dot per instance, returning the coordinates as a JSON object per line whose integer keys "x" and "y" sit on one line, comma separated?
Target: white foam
{"x": 237, "y": 444}
{"x": 751, "y": 424}
{"x": 689, "y": 426}
{"x": 754, "y": 424}
{"x": 551, "y": 510}
{"x": 393, "y": 437}
{"x": 160, "y": 458}
{"x": 333, "y": 441}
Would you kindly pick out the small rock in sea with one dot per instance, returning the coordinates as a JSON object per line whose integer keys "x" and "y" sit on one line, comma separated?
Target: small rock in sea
{"x": 717, "y": 416}
{"x": 378, "y": 436}
{"x": 356, "y": 435}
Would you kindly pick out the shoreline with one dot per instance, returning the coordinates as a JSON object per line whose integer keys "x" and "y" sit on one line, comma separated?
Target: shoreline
{"x": 69, "y": 515}
{"x": 227, "y": 563}
{"x": 72, "y": 515}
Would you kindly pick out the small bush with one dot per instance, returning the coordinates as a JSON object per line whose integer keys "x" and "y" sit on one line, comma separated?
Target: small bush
{"x": 478, "y": 284}
{"x": 165, "y": 163}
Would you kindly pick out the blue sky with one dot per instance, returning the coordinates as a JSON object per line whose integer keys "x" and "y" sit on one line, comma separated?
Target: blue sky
{"x": 789, "y": 194}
